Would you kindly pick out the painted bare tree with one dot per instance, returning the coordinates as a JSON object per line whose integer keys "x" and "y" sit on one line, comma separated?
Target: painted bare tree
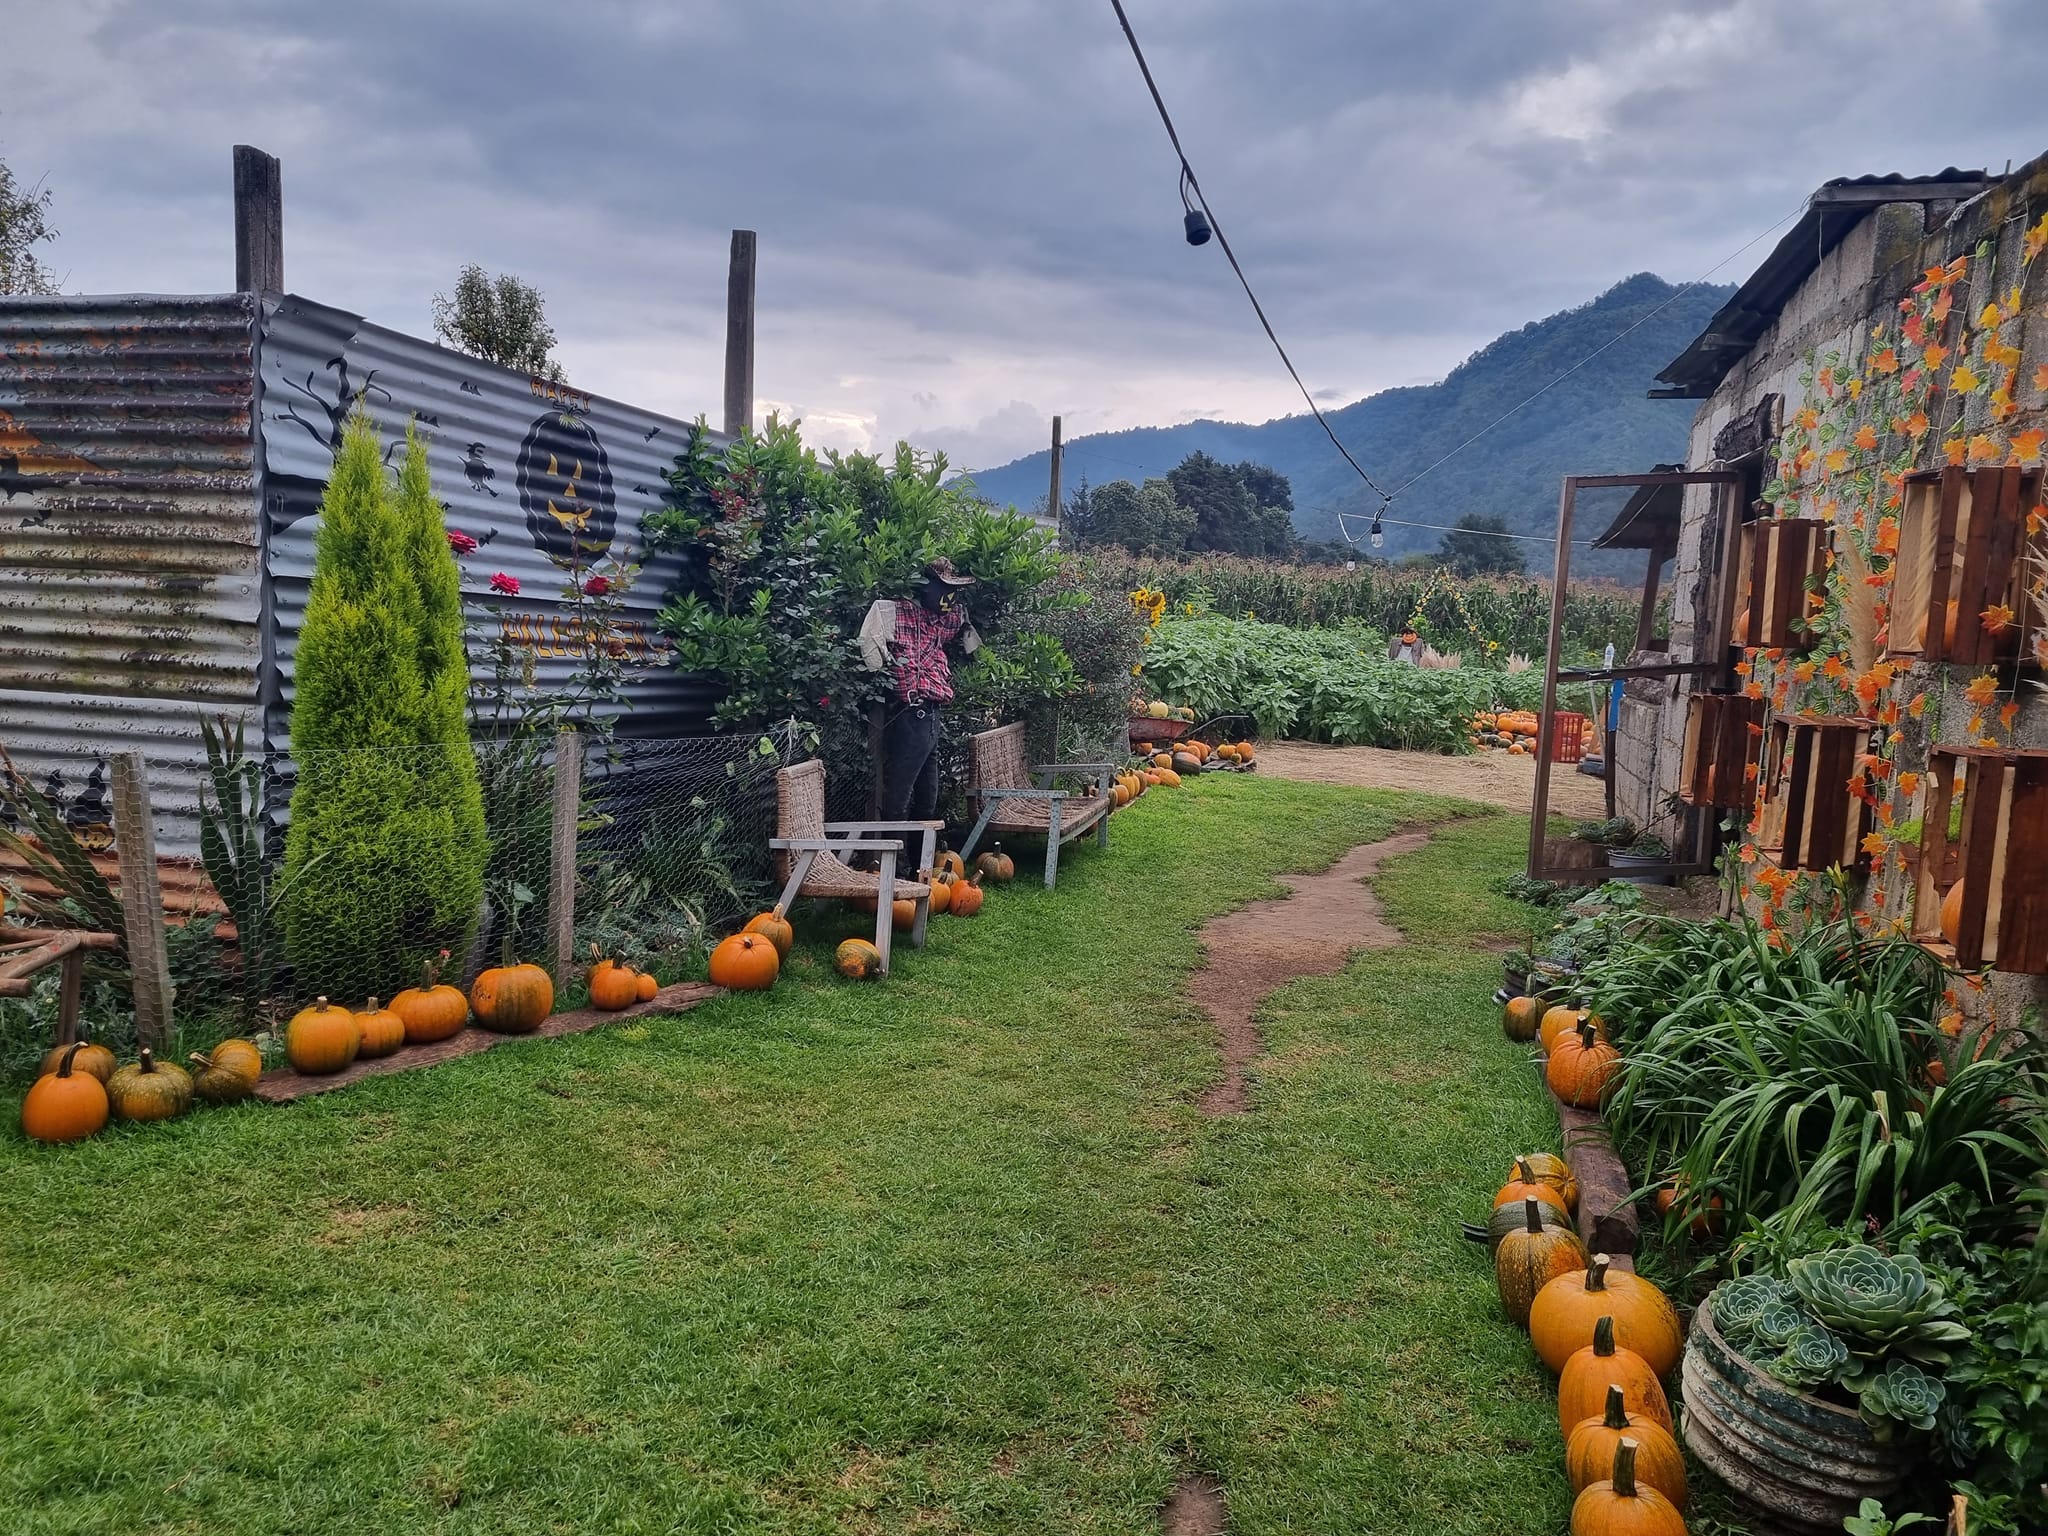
{"x": 23, "y": 226}
{"x": 500, "y": 319}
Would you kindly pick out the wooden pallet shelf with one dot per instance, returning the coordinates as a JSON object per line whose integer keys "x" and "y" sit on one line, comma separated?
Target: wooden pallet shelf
{"x": 1999, "y": 855}
{"x": 1963, "y": 551}
{"x": 1723, "y": 735}
{"x": 1811, "y": 820}
{"x": 1776, "y": 558}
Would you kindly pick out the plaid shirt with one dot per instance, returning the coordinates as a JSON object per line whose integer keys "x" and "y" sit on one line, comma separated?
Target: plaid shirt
{"x": 918, "y": 652}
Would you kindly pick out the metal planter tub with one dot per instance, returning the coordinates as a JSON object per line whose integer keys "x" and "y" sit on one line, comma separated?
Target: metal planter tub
{"x": 1802, "y": 1459}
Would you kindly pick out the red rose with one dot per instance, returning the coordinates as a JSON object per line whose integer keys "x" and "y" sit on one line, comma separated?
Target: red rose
{"x": 509, "y": 585}
{"x": 461, "y": 542}
{"x": 597, "y": 586}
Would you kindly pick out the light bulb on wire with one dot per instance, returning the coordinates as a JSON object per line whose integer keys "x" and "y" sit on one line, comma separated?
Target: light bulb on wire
{"x": 1376, "y": 534}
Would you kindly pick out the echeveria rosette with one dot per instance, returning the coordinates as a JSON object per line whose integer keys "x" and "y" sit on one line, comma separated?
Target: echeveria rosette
{"x": 1899, "y": 1393}
{"x": 1778, "y": 1322}
{"x": 1880, "y": 1305}
{"x": 1739, "y": 1302}
{"x": 1812, "y": 1357}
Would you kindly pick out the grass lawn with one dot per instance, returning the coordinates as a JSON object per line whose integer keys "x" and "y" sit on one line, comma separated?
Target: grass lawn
{"x": 951, "y": 1253}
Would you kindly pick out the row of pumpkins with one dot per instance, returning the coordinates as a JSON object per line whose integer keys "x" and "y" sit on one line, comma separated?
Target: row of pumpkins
{"x": 1512, "y": 730}
{"x": 1581, "y": 1061}
{"x": 1610, "y": 1336}
{"x": 1192, "y": 755}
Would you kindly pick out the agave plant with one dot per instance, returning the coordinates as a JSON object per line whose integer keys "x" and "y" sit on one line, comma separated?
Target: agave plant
{"x": 1884, "y": 1306}
{"x": 1900, "y": 1393}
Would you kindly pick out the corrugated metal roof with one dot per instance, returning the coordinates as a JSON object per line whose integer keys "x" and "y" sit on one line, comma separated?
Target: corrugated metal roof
{"x": 1830, "y": 214}
{"x": 129, "y": 567}
{"x": 513, "y": 458}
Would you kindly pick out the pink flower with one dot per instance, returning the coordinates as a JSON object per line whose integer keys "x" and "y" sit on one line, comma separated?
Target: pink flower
{"x": 825, "y": 702}
{"x": 461, "y": 542}
{"x": 509, "y": 585}
{"x": 597, "y": 586}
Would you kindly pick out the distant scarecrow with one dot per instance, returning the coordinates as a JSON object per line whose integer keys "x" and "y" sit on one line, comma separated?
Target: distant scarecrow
{"x": 910, "y": 639}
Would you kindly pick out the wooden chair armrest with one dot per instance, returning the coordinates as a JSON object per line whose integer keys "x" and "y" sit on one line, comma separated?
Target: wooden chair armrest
{"x": 1022, "y": 794}
{"x": 836, "y": 844}
{"x": 1073, "y": 767}
{"x": 884, "y": 826}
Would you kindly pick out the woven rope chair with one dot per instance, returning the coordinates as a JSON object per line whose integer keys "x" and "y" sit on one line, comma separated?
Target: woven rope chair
{"x": 1017, "y": 797}
{"x": 809, "y": 849}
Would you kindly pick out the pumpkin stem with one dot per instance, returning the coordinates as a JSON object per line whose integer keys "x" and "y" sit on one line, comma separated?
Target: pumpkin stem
{"x": 64, "y": 1066}
{"x": 1625, "y": 1468}
{"x": 1617, "y": 1408}
{"x": 146, "y": 1060}
{"x": 777, "y": 913}
{"x": 1585, "y": 1033}
{"x": 1596, "y": 1272}
{"x": 1532, "y": 1214}
{"x": 1603, "y": 1337}
{"x": 202, "y": 1062}
{"x": 1523, "y": 1171}
{"x": 373, "y": 1006}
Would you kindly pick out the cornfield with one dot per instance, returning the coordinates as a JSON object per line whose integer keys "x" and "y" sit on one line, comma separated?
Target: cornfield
{"x": 1453, "y": 615}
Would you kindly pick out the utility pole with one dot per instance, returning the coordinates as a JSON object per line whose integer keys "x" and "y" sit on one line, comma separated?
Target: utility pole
{"x": 1052, "y": 505}
{"x": 739, "y": 335}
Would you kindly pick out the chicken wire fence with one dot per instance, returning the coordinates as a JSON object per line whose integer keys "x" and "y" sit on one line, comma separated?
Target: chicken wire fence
{"x": 349, "y": 873}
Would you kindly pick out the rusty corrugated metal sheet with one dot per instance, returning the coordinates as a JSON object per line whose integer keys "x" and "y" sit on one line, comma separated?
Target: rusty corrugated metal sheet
{"x": 129, "y": 565}
{"x": 498, "y": 443}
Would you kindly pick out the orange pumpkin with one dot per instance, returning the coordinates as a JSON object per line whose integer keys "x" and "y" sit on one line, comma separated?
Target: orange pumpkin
{"x": 1581, "y": 1066}
{"x": 432, "y": 1010}
{"x": 322, "y": 1039}
{"x": 645, "y": 986}
{"x": 1569, "y": 1308}
{"x": 513, "y": 999}
{"x": 902, "y": 914}
{"x": 613, "y": 986}
{"x": 1589, "y": 1452}
{"x": 382, "y": 1030}
{"x": 1582, "y": 1384}
{"x": 857, "y": 960}
{"x": 1524, "y": 1185}
{"x": 1162, "y": 759}
{"x": 1245, "y": 752}
{"x": 950, "y": 863}
{"x": 1169, "y": 779}
{"x": 968, "y": 897}
{"x": 746, "y": 962}
{"x": 67, "y": 1104}
{"x": 996, "y": 865}
{"x": 1623, "y": 1505}
{"x": 1521, "y": 1016}
{"x": 93, "y": 1060}
{"x": 228, "y": 1073}
{"x": 1548, "y": 1168}
{"x": 148, "y": 1089}
{"x": 1706, "y": 1220}
{"x": 1528, "y": 1259}
{"x": 1952, "y": 912}
{"x": 775, "y": 928}
{"x": 1565, "y": 1020}
{"x": 942, "y": 896}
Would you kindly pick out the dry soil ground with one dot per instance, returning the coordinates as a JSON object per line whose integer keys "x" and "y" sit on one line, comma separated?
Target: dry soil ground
{"x": 1492, "y": 778}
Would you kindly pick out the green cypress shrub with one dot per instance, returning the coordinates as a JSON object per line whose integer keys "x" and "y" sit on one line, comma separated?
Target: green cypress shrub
{"x": 384, "y": 857}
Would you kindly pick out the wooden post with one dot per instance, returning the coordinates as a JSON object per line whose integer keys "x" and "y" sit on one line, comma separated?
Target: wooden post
{"x": 562, "y": 852}
{"x": 142, "y": 906}
{"x": 1546, "y": 725}
{"x": 739, "y": 335}
{"x": 259, "y": 222}
{"x": 1052, "y": 504}
{"x": 70, "y": 987}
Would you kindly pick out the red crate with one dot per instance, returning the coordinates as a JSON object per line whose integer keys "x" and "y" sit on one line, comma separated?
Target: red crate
{"x": 1567, "y": 737}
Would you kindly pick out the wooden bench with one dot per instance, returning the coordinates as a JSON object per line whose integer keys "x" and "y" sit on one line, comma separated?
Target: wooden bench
{"x": 809, "y": 853}
{"x": 1018, "y": 798}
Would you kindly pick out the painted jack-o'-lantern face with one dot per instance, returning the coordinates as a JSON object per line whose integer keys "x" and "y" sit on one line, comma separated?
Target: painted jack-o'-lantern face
{"x": 565, "y": 488}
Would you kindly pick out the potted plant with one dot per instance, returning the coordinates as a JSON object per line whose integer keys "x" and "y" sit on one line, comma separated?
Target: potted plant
{"x": 1805, "y": 1391}
{"x": 1641, "y": 853}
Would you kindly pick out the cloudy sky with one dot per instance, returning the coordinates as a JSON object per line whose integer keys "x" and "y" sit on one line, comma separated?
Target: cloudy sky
{"x": 967, "y": 208}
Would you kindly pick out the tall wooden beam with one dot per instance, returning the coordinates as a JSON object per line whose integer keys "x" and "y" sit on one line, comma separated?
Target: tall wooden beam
{"x": 142, "y": 903}
{"x": 739, "y": 334}
{"x": 1052, "y": 505}
{"x": 259, "y": 222}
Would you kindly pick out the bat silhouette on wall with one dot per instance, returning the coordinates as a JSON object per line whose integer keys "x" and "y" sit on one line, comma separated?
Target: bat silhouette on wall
{"x": 651, "y": 433}
{"x": 469, "y": 389}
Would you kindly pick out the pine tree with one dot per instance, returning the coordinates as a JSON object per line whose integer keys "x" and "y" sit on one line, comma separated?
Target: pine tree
{"x": 384, "y": 857}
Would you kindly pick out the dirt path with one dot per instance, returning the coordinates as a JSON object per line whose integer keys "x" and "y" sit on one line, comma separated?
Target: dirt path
{"x": 1492, "y": 778}
{"x": 1255, "y": 950}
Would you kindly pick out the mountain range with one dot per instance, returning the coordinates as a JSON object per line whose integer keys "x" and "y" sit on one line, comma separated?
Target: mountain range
{"x": 1597, "y": 361}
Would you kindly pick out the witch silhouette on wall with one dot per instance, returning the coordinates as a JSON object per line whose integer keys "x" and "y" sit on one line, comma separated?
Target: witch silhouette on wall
{"x": 565, "y": 489}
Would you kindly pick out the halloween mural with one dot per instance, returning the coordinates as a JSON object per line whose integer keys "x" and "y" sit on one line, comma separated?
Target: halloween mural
{"x": 539, "y": 481}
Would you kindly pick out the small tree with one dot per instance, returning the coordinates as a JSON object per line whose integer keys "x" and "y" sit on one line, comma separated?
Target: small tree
{"x": 384, "y": 859}
{"x": 499, "y": 319}
{"x": 23, "y": 226}
{"x": 1476, "y": 547}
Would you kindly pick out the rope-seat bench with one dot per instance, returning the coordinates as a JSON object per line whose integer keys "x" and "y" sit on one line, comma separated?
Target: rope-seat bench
{"x": 810, "y": 854}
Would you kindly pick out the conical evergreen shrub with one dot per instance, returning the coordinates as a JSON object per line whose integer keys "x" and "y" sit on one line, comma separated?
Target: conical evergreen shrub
{"x": 384, "y": 858}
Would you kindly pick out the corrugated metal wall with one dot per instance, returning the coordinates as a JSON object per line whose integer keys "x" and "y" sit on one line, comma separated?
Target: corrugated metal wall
{"x": 129, "y": 560}
{"x": 512, "y": 459}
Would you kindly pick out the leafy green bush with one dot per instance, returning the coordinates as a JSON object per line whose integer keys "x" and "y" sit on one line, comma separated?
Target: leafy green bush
{"x": 1323, "y": 685}
{"x": 384, "y": 858}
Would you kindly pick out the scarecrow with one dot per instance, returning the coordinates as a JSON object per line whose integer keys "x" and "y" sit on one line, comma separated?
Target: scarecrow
{"x": 910, "y": 639}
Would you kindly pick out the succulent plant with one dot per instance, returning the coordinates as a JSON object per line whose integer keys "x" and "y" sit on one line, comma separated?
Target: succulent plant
{"x": 1737, "y": 1304}
{"x": 1812, "y": 1357}
{"x": 1881, "y": 1305}
{"x": 1900, "y": 1393}
{"x": 1778, "y": 1322}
